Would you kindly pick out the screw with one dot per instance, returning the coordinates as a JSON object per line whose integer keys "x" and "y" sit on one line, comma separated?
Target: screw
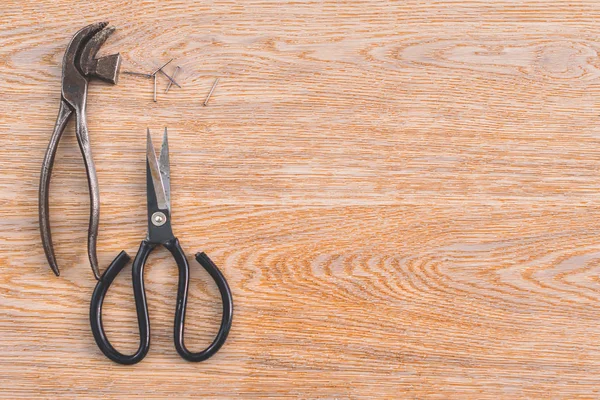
{"x": 159, "y": 219}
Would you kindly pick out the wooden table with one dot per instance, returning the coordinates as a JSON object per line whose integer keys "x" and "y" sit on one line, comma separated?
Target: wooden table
{"x": 402, "y": 195}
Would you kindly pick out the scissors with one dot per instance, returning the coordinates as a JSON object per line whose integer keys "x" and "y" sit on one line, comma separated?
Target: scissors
{"x": 158, "y": 193}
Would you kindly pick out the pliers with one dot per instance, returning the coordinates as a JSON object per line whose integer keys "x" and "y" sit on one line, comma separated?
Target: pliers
{"x": 79, "y": 66}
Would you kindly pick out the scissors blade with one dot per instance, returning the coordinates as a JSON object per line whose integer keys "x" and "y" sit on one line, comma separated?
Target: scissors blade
{"x": 155, "y": 176}
{"x": 165, "y": 168}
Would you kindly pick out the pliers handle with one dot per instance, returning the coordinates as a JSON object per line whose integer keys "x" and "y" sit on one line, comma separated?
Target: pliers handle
{"x": 65, "y": 113}
{"x": 79, "y": 66}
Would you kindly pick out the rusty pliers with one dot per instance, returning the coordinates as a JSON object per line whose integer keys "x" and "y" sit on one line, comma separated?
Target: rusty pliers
{"x": 79, "y": 66}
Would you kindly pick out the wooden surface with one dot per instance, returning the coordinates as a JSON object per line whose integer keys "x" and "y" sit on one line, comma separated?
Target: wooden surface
{"x": 402, "y": 195}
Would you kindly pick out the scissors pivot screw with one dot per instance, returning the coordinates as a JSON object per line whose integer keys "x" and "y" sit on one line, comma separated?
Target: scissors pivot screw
{"x": 159, "y": 219}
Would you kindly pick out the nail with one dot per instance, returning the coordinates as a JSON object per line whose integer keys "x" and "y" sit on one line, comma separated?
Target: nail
{"x": 212, "y": 89}
{"x": 138, "y": 73}
{"x": 171, "y": 80}
{"x": 155, "y": 88}
{"x": 159, "y": 69}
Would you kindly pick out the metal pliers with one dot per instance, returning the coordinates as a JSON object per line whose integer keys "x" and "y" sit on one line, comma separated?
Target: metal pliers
{"x": 79, "y": 66}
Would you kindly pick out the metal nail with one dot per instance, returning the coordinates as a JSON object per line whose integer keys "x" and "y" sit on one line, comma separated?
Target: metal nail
{"x": 171, "y": 80}
{"x": 155, "y": 88}
{"x": 160, "y": 68}
{"x": 212, "y": 89}
{"x": 138, "y": 73}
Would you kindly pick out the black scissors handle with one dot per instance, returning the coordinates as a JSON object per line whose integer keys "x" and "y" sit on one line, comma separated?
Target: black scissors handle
{"x": 142, "y": 307}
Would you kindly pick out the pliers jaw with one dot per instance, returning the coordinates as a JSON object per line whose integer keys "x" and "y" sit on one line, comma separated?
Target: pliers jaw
{"x": 79, "y": 66}
{"x": 105, "y": 68}
{"x": 80, "y": 63}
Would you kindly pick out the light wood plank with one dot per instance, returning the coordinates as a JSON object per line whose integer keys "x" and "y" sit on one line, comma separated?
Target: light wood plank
{"x": 402, "y": 195}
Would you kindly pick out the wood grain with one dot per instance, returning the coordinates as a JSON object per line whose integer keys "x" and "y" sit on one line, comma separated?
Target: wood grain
{"x": 402, "y": 195}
